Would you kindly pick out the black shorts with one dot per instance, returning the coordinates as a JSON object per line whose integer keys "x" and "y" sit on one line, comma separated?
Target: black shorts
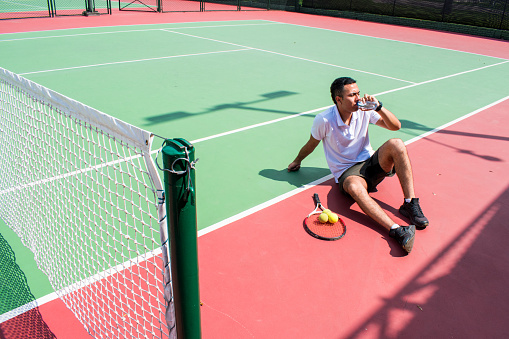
{"x": 370, "y": 170}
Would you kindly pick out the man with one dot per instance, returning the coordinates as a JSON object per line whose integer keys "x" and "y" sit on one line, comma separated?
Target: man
{"x": 357, "y": 169}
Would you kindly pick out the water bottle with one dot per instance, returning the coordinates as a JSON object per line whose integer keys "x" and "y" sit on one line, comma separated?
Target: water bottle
{"x": 368, "y": 105}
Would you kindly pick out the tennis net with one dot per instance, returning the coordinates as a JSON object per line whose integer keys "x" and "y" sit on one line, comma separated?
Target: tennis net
{"x": 81, "y": 190}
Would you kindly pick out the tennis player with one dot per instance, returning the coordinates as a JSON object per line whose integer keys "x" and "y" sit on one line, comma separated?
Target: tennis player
{"x": 356, "y": 167}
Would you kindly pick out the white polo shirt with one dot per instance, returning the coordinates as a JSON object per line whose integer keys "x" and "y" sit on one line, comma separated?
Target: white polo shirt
{"x": 344, "y": 145}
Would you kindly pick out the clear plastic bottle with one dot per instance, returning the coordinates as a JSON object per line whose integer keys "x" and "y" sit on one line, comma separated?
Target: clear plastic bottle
{"x": 368, "y": 105}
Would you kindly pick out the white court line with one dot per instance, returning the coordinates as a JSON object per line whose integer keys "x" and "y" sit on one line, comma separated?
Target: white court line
{"x": 126, "y": 31}
{"x": 387, "y": 39}
{"x": 258, "y": 125}
{"x": 172, "y": 30}
{"x": 286, "y": 55}
{"x": 79, "y": 285}
{"x": 131, "y": 61}
{"x": 267, "y": 22}
{"x": 206, "y": 53}
{"x": 328, "y": 177}
{"x": 27, "y": 307}
{"x": 325, "y": 107}
{"x": 444, "y": 77}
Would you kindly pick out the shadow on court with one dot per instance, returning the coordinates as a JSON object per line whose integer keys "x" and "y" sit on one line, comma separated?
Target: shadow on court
{"x": 337, "y": 201}
{"x": 15, "y": 292}
{"x": 247, "y": 106}
{"x": 343, "y": 205}
{"x": 304, "y": 176}
{"x": 465, "y": 285}
{"x": 410, "y": 125}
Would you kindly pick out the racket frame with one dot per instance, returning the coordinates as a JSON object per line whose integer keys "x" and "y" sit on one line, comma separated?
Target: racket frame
{"x": 318, "y": 210}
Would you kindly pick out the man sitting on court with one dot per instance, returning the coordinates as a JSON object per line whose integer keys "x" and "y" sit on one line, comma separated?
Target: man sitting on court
{"x": 356, "y": 167}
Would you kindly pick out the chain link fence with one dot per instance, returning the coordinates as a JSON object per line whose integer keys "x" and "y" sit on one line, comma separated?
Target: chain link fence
{"x": 51, "y": 8}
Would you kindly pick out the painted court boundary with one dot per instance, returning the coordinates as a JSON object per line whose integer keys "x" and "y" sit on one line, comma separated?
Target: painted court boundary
{"x": 325, "y": 107}
{"x": 243, "y": 47}
{"x": 172, "y": 30}
{"x": 269, "y": 22}
{"x": 284, "y": 118}
{"x": 405, "y": 42}
{"x": 330, "y": 176}
{"x": 53, "y": 296}
{"x": 286, "y": 55}
{"x": 126, "y": 31}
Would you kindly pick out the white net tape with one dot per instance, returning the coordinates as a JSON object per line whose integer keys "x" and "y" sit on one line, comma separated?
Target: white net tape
{"x": 81, "y": 191}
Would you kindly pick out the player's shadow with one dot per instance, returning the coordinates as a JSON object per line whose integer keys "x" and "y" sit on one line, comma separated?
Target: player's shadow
{"x": 342, "y": 204}
{"x": 298, "y": 178}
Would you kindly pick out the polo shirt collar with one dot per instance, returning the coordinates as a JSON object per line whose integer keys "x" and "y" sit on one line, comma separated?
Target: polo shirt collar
{"x": 340, "y": 121}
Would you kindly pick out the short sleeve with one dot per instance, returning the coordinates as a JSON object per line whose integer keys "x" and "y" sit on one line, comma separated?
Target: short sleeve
{"x": 319, "y": 128}
{"x": 374, "y": 117}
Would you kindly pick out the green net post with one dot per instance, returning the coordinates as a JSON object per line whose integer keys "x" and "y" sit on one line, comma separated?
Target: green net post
{"x": 179, "y": 185}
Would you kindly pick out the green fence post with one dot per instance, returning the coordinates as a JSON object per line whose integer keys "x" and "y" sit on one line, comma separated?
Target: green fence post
{"x": 179, "y": 185}
{"x": 50, "y": 8}
{"x": 90, "y": 10}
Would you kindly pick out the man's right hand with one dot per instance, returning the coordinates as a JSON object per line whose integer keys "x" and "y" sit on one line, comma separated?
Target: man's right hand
{"x": 294, "y": 166}
{"x": 303, "y": 153}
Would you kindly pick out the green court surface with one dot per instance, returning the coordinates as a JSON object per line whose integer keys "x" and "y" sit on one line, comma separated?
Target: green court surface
{"x": 15, "y": 260}
{"x": 245, "y": 93}
{"x": 198, "y": 80}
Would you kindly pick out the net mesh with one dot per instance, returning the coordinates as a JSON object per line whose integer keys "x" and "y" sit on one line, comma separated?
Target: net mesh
{"x": 81, "y": 191}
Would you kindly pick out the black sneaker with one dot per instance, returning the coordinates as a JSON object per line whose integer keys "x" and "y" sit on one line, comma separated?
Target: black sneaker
{"x": 412, "y": 210}
{"x": 405, "y": 235}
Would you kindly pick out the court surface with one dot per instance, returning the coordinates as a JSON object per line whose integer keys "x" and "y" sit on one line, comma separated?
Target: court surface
{"x": 244, "y": 88}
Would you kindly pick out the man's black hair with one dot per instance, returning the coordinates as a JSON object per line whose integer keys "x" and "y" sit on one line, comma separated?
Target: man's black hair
{"x": 336, "y": 89}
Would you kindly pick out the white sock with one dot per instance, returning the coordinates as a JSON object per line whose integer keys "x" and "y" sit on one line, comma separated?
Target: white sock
{"x": 408, "y": 200}
{"x": 393, "y": 227}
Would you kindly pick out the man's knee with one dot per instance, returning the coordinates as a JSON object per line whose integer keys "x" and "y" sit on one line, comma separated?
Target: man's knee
{"x": 396, "y": 144}
{"x": 355, "y": 186}
{"x": 393, "y": 149}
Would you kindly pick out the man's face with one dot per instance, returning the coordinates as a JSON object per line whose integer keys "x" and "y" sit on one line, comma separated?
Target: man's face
{"x": 348, "y": 101}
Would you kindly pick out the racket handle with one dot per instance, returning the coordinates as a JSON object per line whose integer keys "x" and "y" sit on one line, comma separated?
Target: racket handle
{"x": 316, "y": 198}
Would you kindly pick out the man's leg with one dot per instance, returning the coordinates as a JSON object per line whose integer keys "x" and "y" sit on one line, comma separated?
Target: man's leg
{"x": 356, "y": 186}
{"x": 358, "y": 189}
{"x": 394, "y": 153}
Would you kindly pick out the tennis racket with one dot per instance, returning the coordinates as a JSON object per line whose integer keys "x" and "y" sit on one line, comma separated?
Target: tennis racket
{"x": 323, "y": 231}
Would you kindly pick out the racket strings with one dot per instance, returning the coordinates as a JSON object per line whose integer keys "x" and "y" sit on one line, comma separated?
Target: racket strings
{"x": 325, "y": 230}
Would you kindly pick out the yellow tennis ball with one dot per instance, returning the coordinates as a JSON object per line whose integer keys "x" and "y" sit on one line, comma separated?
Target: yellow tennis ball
{"x": 333, "y": 218}
{"x": 327, "y": 211}
{"x": 323, "y": 218}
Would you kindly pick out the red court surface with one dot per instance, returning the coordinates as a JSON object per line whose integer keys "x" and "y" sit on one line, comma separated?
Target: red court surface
{"x": 49, "y": 321}
{"x": 265, "y": 277}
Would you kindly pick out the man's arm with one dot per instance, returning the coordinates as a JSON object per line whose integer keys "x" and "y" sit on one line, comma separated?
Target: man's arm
{"x": 388, "y": 120}
{"x": 306, "y": 150}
